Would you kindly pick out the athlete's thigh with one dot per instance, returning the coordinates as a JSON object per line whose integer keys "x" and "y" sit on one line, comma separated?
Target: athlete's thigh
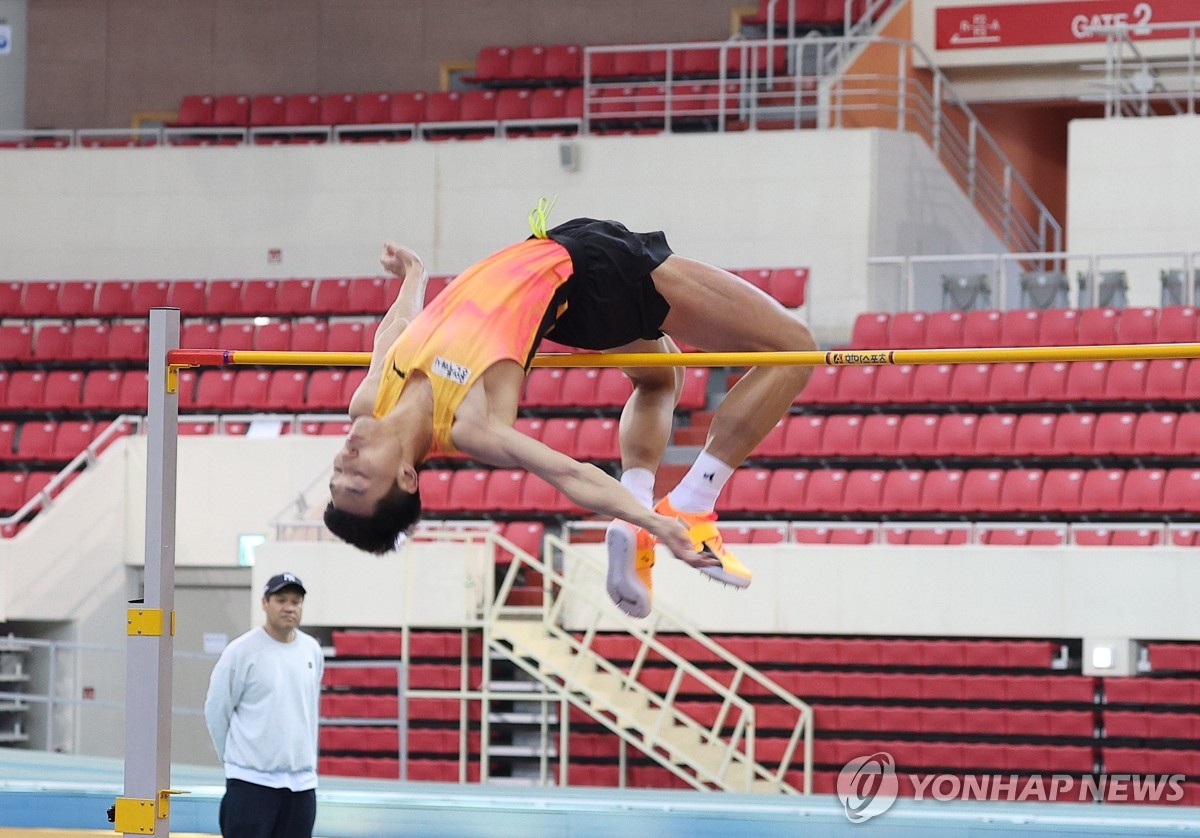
{"x": 715, "y": 310}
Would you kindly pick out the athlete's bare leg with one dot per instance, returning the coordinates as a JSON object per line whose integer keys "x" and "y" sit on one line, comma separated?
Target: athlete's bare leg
{"x": 714, "y": 310}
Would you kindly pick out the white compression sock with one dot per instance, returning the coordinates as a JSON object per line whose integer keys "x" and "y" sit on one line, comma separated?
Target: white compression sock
{"x": 640, "y": 481}
{"x": 698, "y": 490}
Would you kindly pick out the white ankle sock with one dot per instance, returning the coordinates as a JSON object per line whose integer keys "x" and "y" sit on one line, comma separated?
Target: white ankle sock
{"x": 698, "y": 490}
{"x": 640, "y": 481}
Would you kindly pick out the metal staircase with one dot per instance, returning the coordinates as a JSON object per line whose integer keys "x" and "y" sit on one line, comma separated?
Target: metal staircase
{"x": 719, "y": 753}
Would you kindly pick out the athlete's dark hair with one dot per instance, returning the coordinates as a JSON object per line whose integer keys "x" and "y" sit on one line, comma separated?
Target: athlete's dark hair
{"x": 397, "y": 512}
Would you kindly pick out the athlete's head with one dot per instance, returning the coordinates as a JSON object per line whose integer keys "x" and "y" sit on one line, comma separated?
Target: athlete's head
{"x": 374, "y": 492}
{"x": 377, "y": 531}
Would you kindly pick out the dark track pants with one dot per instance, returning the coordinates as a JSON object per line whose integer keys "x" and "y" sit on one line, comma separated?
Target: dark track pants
{"x": 249, "y": 810}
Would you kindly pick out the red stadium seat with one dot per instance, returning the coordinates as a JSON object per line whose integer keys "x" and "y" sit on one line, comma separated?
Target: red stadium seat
{"x": 597, "y": 440}
{"x": 76, "y": 299}
{"x": 956, "y": 434}
{"x": 1187, "y": 435}
{"x": 16, "y": 342}
{"x": 492, "y": 63}
{"x": 746, "y": 491}
{"x": 214, "y": 390}
{"x": 893, "y": 384}
{"x": 994, "y": 434}
{"x": 89, "y": 342}
{"x": 826, "y": 490}
{"x": 787, "y": 489}
{"x": 982, "y": 328}
{"x": 195, "y": 110}
{"x": 1098, "y": 326}
{"x": 1061, "y": 490}
{"x": 1177, "y": 324}
{"x": 1020, "y": 327}
{"x": 1142, "y": 490}
{"x": 944, "y": 329}
{"x": 231, "y": 111}
{"x": 870, "y": 331}
{"x": 561, "y": 434}
{"x": 1074, "y": 433}
{"x": 294, "y": 297}
{"x": 72, "y": 437}
{"x": 100, "y": 389}
{"x": 1086, "y": 380}
{"x": 477, "y": 105}
{"x": 1114, "y": 433}
{"x": 309, "y": 336}
{"x": 1137, "y": 325}
{"x": 788, "y": 286}
{"x": 1181, "y": 490}
{"x": 325, "y": 390}
{"x": 527, "y": 63}
{"x": 513, "y": 103}
{"x": 821, "y": 388}
{"x": 863, "y": 490}
{"x": 27, "y": 388}
{"x": 907, "y": 330}
{"x": 902, "y": 492}
{"x": 250, "y": 389}
{"x": 981, "y": 490}
{"x": 235, "y": 335}
{"x": 348, "y": 336}
{"x": 931, "y": 383}
{"x": 1102, "y": 490}
{"x": 918, "y": 435}
{"x": 1034, "y": 435}
{"x": 301, "y": 109}
{"x": 148, "y": 294}
{"x": 563, "y": 63}
{"x": 53, "y": 342}
{"x": 879, "y": 435}
{"x": 1126, "y": 380}
{"x": 286, "y": 390}
{"x": 1021, "y": 490}
{"x": 338, "y": 109}
{"x": 133, "y": 393}
{"x": 1165, "y": 379}
{"x": 969, "y": 383}
{"x": 502, "y": 491}
{"x": 1048, "y": 381}
{"x": 840, "y": 436}
{"x": 1056, "y": 327}
{"x": 189, "y": 296}
{"x": 856, "y": 385}
{"x": 1009, "y": 382}
{"x": 543, "y": 388}
{"x": 275, "y": 336}
{"x": 36, "y": 441}
{"x": 442, "y": 106}
{"x": 64, "y": 389}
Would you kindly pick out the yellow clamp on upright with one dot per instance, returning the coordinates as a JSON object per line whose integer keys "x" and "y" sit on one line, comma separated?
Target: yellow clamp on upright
{"x": 147, "y": 622}
{"x": 137, "y": 815}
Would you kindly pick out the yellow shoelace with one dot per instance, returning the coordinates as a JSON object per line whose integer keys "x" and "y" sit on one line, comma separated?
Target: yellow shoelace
{"x": 540, "y": 215}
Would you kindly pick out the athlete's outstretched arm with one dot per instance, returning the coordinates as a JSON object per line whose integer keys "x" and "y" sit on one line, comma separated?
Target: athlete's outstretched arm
{"x": 405, "y": 263}
{"x": 585, "y": 484}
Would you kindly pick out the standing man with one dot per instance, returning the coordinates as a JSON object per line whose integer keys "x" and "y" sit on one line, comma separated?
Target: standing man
{"x": 262, "y": 711}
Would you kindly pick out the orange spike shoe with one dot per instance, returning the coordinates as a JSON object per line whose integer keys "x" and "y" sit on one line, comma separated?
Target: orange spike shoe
{"x": 630, "y": 566}
{"x": 706, "y": 538}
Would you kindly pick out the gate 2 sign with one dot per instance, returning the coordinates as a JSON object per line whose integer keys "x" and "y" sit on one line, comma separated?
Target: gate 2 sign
{"x": 1058, "y": 22}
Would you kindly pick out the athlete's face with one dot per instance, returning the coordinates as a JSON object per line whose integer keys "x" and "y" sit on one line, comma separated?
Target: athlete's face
{"x": 363, "y": 472}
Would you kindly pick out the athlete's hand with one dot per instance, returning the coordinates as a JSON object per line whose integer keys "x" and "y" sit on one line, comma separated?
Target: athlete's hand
{"x": 674, "y": 535}
{"x": 399, "y": 260}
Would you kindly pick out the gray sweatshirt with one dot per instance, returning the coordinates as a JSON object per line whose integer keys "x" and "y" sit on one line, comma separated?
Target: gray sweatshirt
{"x": 263, "y": 708}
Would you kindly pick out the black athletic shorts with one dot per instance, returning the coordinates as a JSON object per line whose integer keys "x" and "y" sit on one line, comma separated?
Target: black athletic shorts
{"x": 610, "y": 297}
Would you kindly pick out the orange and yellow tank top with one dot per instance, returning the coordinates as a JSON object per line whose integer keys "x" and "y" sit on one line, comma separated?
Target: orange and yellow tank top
{"x": 491, "y": 312}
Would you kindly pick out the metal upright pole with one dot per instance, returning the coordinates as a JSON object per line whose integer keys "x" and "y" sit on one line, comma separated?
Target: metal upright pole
{"x": 145, "y": 808}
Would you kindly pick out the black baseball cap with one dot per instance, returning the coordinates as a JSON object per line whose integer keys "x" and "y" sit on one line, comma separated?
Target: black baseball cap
{"x": 283, "y": 580}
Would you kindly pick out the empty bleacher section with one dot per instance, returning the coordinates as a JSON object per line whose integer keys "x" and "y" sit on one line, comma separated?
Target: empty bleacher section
{"x": 964, "y": 707}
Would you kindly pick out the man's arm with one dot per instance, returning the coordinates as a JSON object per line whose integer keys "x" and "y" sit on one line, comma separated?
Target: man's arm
{"x": 405, "y": 263}
{"x": 218, "y": 704}
{"x": 585, "y": 484}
